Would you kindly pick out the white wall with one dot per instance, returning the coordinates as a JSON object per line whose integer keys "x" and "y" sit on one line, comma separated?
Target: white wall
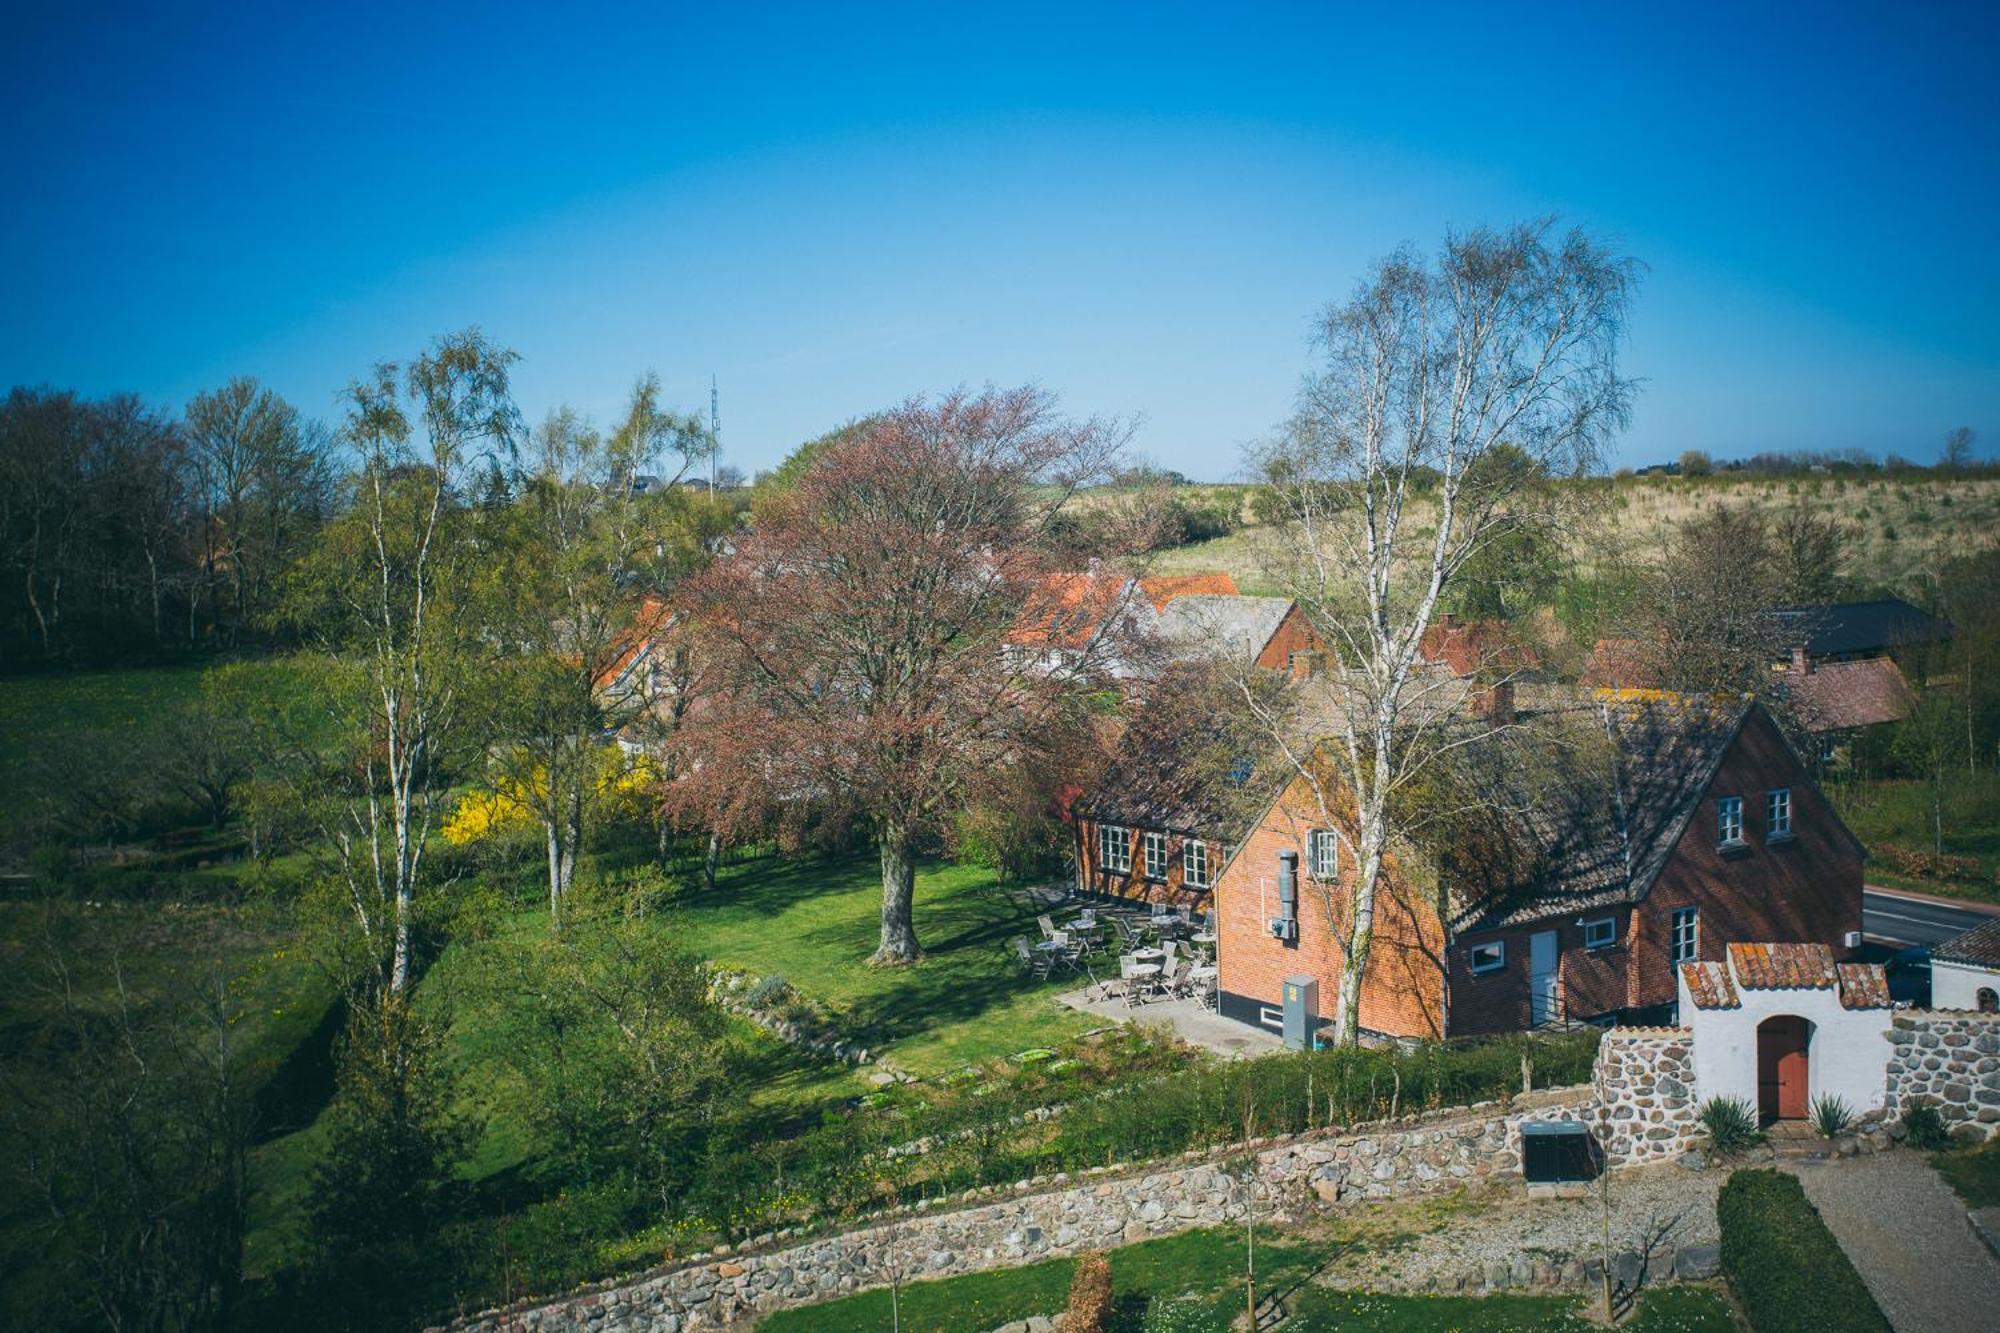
{"x": 1847, "y": 1055}
{"x": 1956, "y": 985}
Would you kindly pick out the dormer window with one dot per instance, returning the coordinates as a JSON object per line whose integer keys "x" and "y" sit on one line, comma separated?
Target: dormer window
{"x": 1729, "y": 821}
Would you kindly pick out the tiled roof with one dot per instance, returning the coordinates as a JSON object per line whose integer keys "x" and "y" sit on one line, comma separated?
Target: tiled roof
{"x": 1477, "y": 645}
{"x": 651, "y": 619}
{"x": 1838, "y": 696}
{"x": 1861, "y": 627}
{"x": 1979, "y": 947}
{"x": 1783, "y": 966}
{"x": 1070, "y": 610}
{"x": 1239, "y": 626}
{"x": 1620, "y": 664}
{"x": 1163, "y": 588}
{"x": 1710, "y": 986}
{"x": 1863, "y": 986}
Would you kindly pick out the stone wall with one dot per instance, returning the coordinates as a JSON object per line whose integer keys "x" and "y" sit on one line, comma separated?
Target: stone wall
{"x": 1036, "y": 1220}
{"x": 1950, "y": 1058}
{"x": 1645, "y": 1081}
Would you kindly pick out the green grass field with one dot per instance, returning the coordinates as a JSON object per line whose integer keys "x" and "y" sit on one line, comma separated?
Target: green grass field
{"x": 1974, "y": 1173}
{"x": 1193, "y": 1283}
{"x": 1892, "y": 815}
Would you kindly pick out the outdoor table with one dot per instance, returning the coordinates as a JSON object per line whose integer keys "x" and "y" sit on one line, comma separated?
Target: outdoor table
{"x": 1206, "y": 937}
{"x": 1150, "y": 953}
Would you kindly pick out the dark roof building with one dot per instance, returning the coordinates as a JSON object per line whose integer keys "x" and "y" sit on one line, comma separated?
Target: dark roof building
{"x": 1847, "y": 630}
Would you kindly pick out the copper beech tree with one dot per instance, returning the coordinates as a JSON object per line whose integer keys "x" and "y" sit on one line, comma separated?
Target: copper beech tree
{"x": 883, "y": 646}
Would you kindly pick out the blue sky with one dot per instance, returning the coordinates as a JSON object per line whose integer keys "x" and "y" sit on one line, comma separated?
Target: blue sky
{"x": 1141, "y": 208}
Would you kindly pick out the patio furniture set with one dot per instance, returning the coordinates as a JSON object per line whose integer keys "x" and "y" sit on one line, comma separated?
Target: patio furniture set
{"x": 1162, "y": 953}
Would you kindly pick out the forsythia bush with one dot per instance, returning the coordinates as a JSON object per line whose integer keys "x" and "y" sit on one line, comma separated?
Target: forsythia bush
{"x": 508, "y": 807}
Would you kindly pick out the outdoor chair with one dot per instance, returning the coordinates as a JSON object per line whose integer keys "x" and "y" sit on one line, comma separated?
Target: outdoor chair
{"x": 1035, "y": 961}
{"x": 1176, "y": 983}
{"x": 1126, "y": 933}
{"x": 1201, "y": 979}
{"x": 1048, "y": 926}
{"x": 1138, "y": 978}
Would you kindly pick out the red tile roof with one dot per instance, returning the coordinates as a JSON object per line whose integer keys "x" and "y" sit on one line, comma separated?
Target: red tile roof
{"x": 1709, "y": 986}
{"x": 1837, "y": 696}
{"x": 1620, "y": 664}
{"x": 1163, "y": 588}
{"x": 1782, "y": 966}
{"x": 1863, "y": 986}
{"x": 1069, "y": 610}
{"x": 650, "y": 619}
{"x": 1470, "y": 646}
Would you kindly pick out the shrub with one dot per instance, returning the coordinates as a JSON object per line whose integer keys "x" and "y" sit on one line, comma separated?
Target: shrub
{"x": 1731, "y": 1124}
{"x": 1831, "y": 1115}
{"x": 1785, "y": 1267}
{"x": 1924, "y": 1128}
{"x": 1089, "y": 1295}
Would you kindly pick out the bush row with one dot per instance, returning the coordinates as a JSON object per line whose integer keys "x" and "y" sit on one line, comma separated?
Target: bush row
{"x": 1787, "y": 1270}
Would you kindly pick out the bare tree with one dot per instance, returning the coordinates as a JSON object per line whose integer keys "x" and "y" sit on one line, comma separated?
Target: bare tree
{"x": 860, "y": 634}
{"x": 1453, "y": 389}
{"x": 1707, "y": 608}
{"x": 1957, "y": 451}
{"x": 1810, "y": 550}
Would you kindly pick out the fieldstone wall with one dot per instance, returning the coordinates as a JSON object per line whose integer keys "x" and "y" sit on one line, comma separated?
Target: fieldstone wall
{"x": 1062, "y": 1215}
{"x": 1950, "y": 1058}
{"x": 1645, "y": 1083}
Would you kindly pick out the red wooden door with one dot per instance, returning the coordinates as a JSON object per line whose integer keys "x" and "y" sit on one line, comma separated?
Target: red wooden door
{"x": 1781, "y": 1068}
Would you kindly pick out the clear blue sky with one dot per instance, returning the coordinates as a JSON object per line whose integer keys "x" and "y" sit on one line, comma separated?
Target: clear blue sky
{"x": 1139, "y": 207}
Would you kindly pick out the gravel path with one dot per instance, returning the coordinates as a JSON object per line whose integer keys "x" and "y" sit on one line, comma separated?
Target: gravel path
{"x": 1906, "y": 1232}
{"x": 1412, "y": 1243}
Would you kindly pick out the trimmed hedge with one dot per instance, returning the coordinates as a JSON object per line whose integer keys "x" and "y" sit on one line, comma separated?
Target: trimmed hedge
{"x": 1786, "y": 1269}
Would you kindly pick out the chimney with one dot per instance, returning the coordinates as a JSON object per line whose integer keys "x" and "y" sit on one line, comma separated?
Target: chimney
{"x": 1802, "y": 663}
{"x": 1495, "y": 702}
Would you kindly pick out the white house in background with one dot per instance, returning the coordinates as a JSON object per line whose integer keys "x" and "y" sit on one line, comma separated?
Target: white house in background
{"x": 1965, "y": 972}
{"x": 1780, "y": 1025}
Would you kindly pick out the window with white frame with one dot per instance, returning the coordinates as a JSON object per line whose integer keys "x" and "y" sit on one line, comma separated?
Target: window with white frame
{"x": 1728, "y": 820}
{"x": 1778, "y": 813}
{"x": 1323, "y": 854}
{"x": 1601, "y": 933}
{"x": 1484, "y": 958}
{"x": 1114, "y": 849}
{"x": 1194, "y": 863}
{"x": 1155, "y": 847}
{"x": 1685, "y": 945}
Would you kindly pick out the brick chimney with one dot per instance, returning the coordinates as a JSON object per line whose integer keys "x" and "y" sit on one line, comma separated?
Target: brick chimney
{"x": 1494, "y": 702}
{"x": 1802, "y": 663}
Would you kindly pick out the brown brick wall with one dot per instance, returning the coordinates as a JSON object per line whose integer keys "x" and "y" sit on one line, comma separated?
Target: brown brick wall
{"x": 1293, "y": 635}
{"x": 1093, "y": 878}
{"x": 1401, "y": 990}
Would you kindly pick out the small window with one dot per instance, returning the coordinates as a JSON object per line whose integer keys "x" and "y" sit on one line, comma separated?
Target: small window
{"x": 1155, "y": 847}
{"x": 1778, "y": 813}
{"x": 1987, "y": 1000}
{"x": 1194, "y": 863}
{"x": 1685, "y": 945}
{"x": 1729, "y": 821}
{"x": 1114, "y": 849}
{"x": 1601, "y": 933}
{"x": 1483, "y": 958}
{"x": 1323, "y": 854}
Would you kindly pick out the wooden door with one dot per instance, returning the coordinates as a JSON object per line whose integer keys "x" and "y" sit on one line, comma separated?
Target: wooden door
{"x": 1781, "y": 1068}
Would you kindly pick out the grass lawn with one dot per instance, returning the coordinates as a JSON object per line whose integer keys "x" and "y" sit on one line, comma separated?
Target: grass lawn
{"x": 1198, "y": 1276}
{"x": 815, "y": 921}
{"x": 1974, "y": 1173}
{"x": 1891, "y": 814}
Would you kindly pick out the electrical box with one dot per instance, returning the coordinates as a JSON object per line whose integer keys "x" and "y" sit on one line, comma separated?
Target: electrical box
{"x": 1557, "y": 1152}
{"x": 1301, "y": 1011}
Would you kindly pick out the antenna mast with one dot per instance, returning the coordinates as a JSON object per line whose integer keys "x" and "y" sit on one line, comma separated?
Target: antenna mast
{"x": 714, "y": 431}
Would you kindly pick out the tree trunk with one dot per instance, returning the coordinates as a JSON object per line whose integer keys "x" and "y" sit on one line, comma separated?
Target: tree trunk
{"x": 899, "y": 888}
{"x": 1361, "y": 936}
{"x": 711, "y": 862}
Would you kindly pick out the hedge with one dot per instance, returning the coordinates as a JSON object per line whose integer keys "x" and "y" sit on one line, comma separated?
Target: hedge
{"x": 1787, "y": 1270}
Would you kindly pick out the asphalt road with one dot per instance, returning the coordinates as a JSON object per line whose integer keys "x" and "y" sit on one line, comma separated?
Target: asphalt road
{"x": 1899, "y": 920}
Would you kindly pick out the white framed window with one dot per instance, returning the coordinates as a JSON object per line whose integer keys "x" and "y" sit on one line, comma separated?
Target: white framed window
{"x": 1323, "y": 854}
{"x": 1194, "y": 863}
{"x": 1685, "y": 944}
{"x": 1601, "y": 933}
{"x": 1489, "y": 957}
{"x": 1728, "y": 820}
{"x": 1114, "y": 849}
{"x": 1154, "y": 845}
{"x": 1778, "y": 813}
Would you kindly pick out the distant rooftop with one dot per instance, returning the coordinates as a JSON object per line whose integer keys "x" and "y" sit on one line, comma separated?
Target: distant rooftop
{"x": 1846, "y": 629}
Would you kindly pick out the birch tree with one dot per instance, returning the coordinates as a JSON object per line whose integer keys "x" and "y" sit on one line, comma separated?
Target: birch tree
{"x": 586, "y": 570}
{"x": 388, "y": 593}
{"x": 1458, "y": 401}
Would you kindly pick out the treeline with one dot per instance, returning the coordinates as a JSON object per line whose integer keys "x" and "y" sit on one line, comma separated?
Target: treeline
{"x": 125, "y": 532}
{"x": 1953, "y": 460}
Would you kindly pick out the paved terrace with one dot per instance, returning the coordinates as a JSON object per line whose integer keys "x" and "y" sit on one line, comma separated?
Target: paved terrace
{"x": 1191, "y": 1020}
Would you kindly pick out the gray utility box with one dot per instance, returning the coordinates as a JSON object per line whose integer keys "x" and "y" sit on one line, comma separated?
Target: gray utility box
{"x": 1301, "y": 1011}
{"x": 1557, "y": 1152}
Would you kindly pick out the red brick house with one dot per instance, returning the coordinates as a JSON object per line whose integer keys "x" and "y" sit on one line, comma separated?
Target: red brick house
{"x": 1617, "y": 835}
